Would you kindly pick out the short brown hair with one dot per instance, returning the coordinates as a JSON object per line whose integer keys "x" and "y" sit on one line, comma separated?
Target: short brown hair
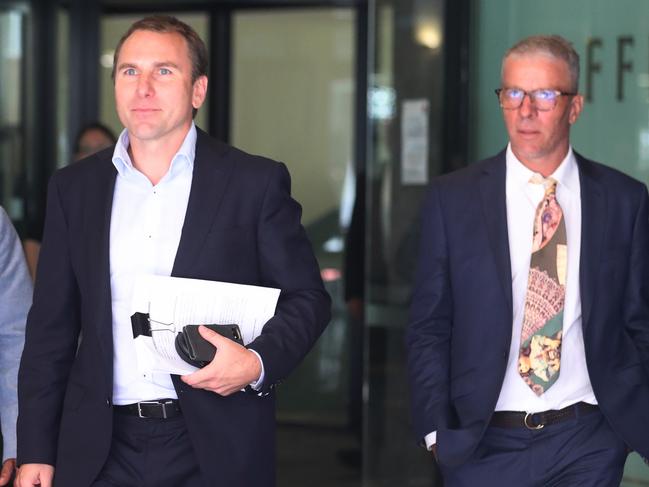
{"x": 552, "y": 45}
{"x": 166, "y": 24}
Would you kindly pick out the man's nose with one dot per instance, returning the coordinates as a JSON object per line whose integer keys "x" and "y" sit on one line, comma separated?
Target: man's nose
{"x": 144, "y": 85}
{"x": 527, "y": 108}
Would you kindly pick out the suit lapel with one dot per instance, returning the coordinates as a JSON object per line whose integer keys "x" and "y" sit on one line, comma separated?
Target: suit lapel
{"x": 494, "y": 207}
{"x": 593, "y": 219}
{"x": 593, "y": 222}
{"x": 100, "y": 202}
{"x": 209, "y": 180}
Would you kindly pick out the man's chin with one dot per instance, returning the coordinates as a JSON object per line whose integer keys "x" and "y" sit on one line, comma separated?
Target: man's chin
{"x": 527, "y": 152}
{"x": 144, "y": 132}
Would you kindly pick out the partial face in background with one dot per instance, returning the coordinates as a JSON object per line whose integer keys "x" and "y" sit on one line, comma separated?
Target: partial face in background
{"x": 154, "y": 92}
{"x": 540, "y": 139}
{"x": 92, "y": 140}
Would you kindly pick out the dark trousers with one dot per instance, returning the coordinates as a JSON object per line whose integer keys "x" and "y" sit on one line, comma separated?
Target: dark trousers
{"x": 150, "y": 453}
{"x": 579, "y": 452}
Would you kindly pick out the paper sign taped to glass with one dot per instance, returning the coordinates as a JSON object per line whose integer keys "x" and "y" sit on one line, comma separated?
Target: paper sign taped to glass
{"x": 162, "y": 306}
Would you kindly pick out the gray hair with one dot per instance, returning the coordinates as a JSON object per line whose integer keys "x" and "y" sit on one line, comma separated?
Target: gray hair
{"x": 551, "y": 45}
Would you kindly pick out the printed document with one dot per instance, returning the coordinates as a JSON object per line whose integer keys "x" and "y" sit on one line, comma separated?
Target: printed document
{"x": 174, "y": 302}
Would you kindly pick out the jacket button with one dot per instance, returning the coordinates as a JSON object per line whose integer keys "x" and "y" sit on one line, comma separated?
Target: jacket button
{"x": 107, "y": 402}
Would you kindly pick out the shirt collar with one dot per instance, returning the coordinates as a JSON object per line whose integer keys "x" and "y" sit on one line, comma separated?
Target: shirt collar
{"x": 182, "y": 160}
{"x": 567, "y": 174}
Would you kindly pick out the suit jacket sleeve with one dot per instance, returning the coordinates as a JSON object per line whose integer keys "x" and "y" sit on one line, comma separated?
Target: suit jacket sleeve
{"x": 636, "y": 307}
{"x": 286, "y": 261}
{"x": 429, "y": 331}
{"x": 50, "y": 341}
{"x": 15, "y": 298}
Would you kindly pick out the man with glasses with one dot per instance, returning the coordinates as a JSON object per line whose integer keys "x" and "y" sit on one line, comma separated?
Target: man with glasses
{"x": 528, "y": 342}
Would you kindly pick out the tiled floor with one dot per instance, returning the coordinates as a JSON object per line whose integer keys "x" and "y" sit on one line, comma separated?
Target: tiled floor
{"x": 308, "y": 456}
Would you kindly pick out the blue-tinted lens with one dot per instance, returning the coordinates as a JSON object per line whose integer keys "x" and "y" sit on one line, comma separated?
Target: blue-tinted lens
{"x": 514, "y": 94}
{"x": 544, "y": 95}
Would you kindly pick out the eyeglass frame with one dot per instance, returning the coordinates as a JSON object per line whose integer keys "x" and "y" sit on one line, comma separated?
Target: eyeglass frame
{"x": 532, "y": 98}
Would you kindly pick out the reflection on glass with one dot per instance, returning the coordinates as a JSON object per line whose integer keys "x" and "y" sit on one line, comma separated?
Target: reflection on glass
{"x": 406, "y": 70}
{"x": 12, "y": 134}
{"x": 63, "y": 88}
{"x": 293, "y": 100}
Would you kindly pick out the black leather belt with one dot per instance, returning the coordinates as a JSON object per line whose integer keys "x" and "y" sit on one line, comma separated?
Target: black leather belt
{"x": 536, "y": 421}
{"x": 158, "y": 409}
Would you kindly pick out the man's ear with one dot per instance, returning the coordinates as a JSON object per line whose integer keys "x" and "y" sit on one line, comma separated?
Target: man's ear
{"x": 199, "y": 92}
{"x": 576, "y": 106}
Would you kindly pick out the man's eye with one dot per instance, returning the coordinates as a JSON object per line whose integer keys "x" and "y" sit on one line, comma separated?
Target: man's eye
{"x": 165, "y": 71}
{"x": 544, "y": 95}
{"x": 514, "y": 94}
{"x": 129, "y": 72}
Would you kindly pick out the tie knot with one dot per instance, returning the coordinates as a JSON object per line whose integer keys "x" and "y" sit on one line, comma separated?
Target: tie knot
{"x": 550, "y": 184}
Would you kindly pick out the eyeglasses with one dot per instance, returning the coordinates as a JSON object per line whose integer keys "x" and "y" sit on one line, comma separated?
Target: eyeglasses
{"x": 543, "y": 99}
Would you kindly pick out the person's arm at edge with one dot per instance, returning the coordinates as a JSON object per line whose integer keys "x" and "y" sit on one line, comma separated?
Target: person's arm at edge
{"x": 429, "y": 329}
{"x": 16, "y": 297}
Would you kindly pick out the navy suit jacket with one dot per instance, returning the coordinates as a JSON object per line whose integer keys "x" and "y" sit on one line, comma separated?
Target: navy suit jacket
{"x": 241, "y": 226}
{"x": 460, "y": 327}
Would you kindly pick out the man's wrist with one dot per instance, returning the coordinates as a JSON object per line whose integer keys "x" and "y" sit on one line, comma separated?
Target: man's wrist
{"x": 430, "y": 440}
{"x": 256, "y": 384}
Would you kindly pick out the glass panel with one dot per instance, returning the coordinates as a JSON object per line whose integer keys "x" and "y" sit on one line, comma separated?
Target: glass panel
{"x": 12, "y": 122}
{"x": 112, "y": 29}
{"x": 293, "y": 101}
{"x": 63, "y": 151}
{"x": 404, "y": 151}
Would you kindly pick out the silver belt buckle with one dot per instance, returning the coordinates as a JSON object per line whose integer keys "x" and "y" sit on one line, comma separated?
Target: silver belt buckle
{"x": 139, "y": 409}
{"x": 531, "y": 426}
{"x": 164, "y": 408}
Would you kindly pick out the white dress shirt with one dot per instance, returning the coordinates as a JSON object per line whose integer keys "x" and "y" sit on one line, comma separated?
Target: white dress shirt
{"x": 522, "y": 197}
{"x": 145, "y": 229}
{"x": 573, "y": 384}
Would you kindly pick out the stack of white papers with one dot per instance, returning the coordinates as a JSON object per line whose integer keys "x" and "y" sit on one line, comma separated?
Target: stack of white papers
{"x": 173, "y": 302}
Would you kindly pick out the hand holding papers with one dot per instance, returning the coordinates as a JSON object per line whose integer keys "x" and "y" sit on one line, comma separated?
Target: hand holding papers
{"x": 233, "y": 368}
{"x": 173, "y": 302}
{"x": 196, "y": 350}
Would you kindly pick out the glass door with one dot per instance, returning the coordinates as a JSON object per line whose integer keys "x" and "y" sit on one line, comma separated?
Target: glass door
{"x": 292, "y": 86}
{"x": 12, "y": 119}
{"x": 292, "y": 99}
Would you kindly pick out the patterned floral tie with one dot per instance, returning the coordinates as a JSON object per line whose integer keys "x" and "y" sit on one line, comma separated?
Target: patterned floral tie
{"x": 539, "y": 357}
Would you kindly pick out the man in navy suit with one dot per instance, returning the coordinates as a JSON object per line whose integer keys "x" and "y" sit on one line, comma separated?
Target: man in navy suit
{"x": 166, "y": 200}
{"x": 528, "y": 344}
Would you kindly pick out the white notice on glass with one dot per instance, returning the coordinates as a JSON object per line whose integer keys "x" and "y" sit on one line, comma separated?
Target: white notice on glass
{"x": 174, "y": 302}
{"x": 414, "y": 142}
